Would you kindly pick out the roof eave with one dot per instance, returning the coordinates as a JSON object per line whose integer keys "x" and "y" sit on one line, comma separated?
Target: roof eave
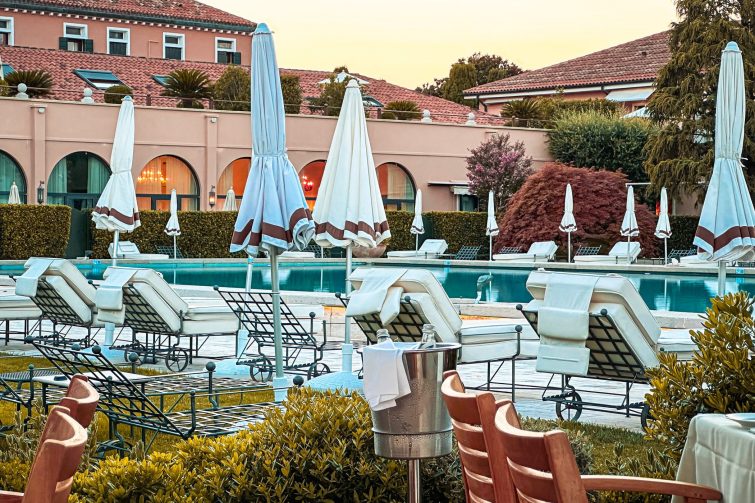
{"x": 130, "y": 16}
{"x": 554, "y": 89}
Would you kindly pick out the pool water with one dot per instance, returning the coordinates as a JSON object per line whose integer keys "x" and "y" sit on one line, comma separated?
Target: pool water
{"x": 672, "y": 291}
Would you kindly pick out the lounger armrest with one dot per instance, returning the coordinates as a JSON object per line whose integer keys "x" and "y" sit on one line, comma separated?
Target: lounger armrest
{"x": 691, "y": 492}
{"x": 11, "y": 497}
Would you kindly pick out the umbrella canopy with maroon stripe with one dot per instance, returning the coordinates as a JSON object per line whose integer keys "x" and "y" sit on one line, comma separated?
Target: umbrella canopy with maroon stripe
{"x": 273, "y": 215}
{"x": 116, "y": 209}
{"x": 629, "y": 227}
{"x": 726, "y": 231}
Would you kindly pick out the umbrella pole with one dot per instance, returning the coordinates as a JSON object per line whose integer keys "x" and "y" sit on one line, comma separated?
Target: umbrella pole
{"x": 490, "y": 249}
{"x": 721, "y": 278}
{"x": 665, "y": 250}
{"x": 347, "y": 349}
{"x": 629, "y": 244}
{"x": 416, "y": 243}
{"x": 568, "y": 253}
{"x": 280, "y": 382}
{"x": 175, "y": 248}
{"x": 248, "y": 282}
{"x": 110, "y": 327}
{"x": 116, "y": 236}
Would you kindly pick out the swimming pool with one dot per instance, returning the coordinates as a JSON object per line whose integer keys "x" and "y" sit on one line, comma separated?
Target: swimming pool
{"x": 672, "y": 291}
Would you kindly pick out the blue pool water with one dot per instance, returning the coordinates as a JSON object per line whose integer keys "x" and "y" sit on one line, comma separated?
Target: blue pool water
{"x": 671, "y": 291}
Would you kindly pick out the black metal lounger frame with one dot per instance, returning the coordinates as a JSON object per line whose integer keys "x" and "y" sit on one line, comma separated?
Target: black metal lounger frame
{"x": 467, "y": 253}
{"x": 159, "y": 339}
{"x": 255, "y": 312}
{"x": 151, "y": 404}
{"x": 19, "y": 388}
{"x": 583, "y": 251}
{"x": 407, "y": 327}
{"x": 30, "y": 325}
{"x": 610, "y": 358}
{"x": 169, "y": 250}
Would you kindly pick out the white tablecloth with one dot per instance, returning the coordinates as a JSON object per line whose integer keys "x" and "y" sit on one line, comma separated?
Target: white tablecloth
{"x": 721, "y": 454}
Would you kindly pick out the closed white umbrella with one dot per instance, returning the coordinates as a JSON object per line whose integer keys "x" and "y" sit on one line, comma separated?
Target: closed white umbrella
{"x": 568, "y": 224}
{"x": 273, "y": 216}
{"x": 418, "y": 226}
{"x": 349, "y": 207}
{"x": 629, "y": 227}
{"x": 117, "y": 210}
{"x": 726, "y": 231}
{"x": 491, "y": 227}
{"x": 172, "y": 228}
{"x": 230, "y": 201}
{"x": 14, "y": 197}
{"x": 663, "y": 227}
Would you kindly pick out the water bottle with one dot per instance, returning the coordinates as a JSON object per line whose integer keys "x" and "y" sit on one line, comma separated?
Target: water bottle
{"x": 428, "y": 335}
{"x": 382, "y": 335}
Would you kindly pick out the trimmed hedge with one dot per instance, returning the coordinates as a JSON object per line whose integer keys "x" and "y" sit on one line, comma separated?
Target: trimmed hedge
{"x": 207, "y": 234}
{"x": 682, "y": 232}
{"x": 33, "y": 231}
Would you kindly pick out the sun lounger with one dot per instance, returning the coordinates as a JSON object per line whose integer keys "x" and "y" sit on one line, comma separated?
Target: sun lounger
{"x": 128, "y": 250}
{"x": 622, "y": 340}
{"x": 63, "y": 295}
{"x": 540, "y": 251}
{"x": 617, "y": 255}
{"x": 142, "y": 300}
{"x": 21, "y": 310}
{"x": 431, "y": 248}
{"x": 297, "y": 254}
{"x": 416, "y": 298}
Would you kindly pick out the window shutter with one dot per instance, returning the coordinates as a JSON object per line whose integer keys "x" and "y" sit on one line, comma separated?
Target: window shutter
{"x": 89, "y": 45}
{"x": 63, "y": 43}
{"x": 236, "y": 58}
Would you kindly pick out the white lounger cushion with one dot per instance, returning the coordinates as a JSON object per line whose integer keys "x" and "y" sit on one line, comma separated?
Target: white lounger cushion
{"x": 156, "y": 281}
{"x": 540, "y": 250}
{"x": 128, "y": 250}
{"x": 616, "y": 255}
{"x": 75, "y": 279}
{"x": 18, "y": 307}
{"x": 297, "y": 254}
{"x": 431, "y": 248}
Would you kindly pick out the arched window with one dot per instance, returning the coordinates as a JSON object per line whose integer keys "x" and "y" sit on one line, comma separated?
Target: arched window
{"x": 161, "y": 175}
{"x": 310, "y": 177}
{"x": 11, "y": 172}
{"x": 77, "y": 180}
{"x": 234, "y": 177}
{"x": 396, "y": 187}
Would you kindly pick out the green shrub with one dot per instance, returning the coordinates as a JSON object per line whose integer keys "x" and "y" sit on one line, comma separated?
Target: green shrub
{"x": 115, "y": 94}
{"x": 291, "y": 88}
{"x": 556, "y": 106}
{"x": 232, "y": 91}
{"x": 719, "y": 378}
{"x": 458, "y": 228}
{"x": 33, "y": 231}
{"x": 683, "y": 229}
{"x": 39, "y": 82}
{"x": 401, "y": 110}
{"x": 4, "y": 89}
{"x": 595, "y": 140}
{"x": 651, "y": 464}
{"x": 399, "y": 223}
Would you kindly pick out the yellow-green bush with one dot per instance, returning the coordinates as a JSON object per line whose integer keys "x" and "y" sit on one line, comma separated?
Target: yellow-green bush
{"x": 458, "y": 228}
{"x": 400, "y": 222}
{"x": 719, "y": 378}
{"x": 33, "y": 231}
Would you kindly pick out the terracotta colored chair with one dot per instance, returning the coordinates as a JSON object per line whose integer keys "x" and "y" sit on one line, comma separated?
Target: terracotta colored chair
{"x": 58, "y": 457}
{"x": 543, "y": 469}
{"x": 465, "y": 418}
{"x": 81, "y": 400}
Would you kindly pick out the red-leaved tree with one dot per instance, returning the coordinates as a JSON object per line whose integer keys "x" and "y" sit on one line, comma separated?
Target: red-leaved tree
{"x": 535, "y": 211}
{"x": 500, "y": 166}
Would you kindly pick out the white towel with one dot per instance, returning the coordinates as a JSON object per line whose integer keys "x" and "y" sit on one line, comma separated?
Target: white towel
{"x": 563, "y": 323}
{"x": 109, "y": 296}
{"x": 385, "y": 379}
{"x": 373, "y": 292}
{"x": 26, "y": 284}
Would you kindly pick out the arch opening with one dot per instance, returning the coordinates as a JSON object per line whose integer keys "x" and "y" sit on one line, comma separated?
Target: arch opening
{"x": 159, "y": 177}
{"x": 77, "y": 180}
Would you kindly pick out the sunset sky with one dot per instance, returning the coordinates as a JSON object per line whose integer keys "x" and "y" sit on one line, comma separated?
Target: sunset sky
{"x": 409, "y": 42}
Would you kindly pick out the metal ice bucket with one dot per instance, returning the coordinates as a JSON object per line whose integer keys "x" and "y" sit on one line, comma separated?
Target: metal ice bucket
{"x": 419, "y": 425}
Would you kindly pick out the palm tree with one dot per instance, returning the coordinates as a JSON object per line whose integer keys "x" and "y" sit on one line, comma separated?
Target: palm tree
{"x": 39, "y": 82}
{"x": 523, "y": 113}
{"x": 402, "y": 110}
{"x": 190, "y": 85}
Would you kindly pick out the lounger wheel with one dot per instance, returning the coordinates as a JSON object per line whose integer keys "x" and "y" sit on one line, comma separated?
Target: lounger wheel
{"x": 177, "y": 359}
{"x": 645, "y": 416}
{"x": 261, "y": 369}
{"x": 569, "y": 407}
{"x": 317, "y": 369}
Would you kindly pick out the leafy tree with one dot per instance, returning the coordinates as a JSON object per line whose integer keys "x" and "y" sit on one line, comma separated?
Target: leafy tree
{"x": 680, "y": 156}
{"x": 498, "y": 165}
{"x": 534, "y": 212}
{"x": 462, "y": 76}
{"x": 491, "y": 67}
{"x": 600, "y": 141}
{"x": 39, "y": 82}
{"x": 402, "y": 110}
{"x": 190, "y": 85}
{"x": 434, "y": 89}
{"x": 291, "y": 93}
{"x": 114, "y": 94}
{"x": 331, "y": 97}
{"x": 232, "y": 91}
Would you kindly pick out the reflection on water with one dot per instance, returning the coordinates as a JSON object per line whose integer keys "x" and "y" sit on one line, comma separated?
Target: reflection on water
{"x": 673, "y": 292}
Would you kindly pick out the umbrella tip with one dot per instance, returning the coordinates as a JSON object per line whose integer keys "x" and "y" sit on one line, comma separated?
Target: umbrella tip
{"x": 262, "y": 28}
{"x": 127, "y": 98}
{"x": 732, "y": 46}
{"x": 353, "y": 83}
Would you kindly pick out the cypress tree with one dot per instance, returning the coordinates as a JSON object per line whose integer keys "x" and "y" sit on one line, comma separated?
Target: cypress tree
{"x": 680, "y": 155}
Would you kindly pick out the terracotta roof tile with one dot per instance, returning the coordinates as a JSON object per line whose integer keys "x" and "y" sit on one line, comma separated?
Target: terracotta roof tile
{"x": 138, "y": 72}
{"x": 638, "y": 60}
{"x": 171, "y": 10}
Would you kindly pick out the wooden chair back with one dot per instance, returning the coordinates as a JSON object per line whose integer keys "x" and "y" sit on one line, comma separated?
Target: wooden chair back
{"x": 466, "y": 421}
{"x": 81, "y": 400}
{"x": 58, "y": 456}
{"x": 541, "y": 466}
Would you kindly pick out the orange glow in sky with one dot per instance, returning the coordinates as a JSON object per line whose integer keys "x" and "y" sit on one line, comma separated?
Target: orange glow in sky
{"x": 409, "y": 42}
